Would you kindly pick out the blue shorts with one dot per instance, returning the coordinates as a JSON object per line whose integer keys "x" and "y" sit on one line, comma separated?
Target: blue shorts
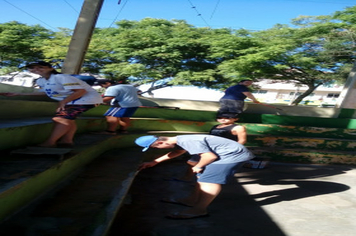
{"x": 218, "y": 173}
{"x": 121, "y": 112}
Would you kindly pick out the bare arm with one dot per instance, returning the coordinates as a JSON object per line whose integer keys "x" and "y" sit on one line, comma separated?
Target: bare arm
{"x": 165, "y": 157}
{"x": 107, "y": 99}
{"x": 205, "y": 159}
{"x": 250, "y": 96}
{"x": 240, "y": 132}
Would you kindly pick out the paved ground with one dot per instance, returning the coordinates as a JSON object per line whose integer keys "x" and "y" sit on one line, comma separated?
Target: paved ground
{"x": 282, "y": 199}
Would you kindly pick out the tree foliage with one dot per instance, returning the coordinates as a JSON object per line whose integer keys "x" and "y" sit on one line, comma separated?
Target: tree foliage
{"x": 315, "y": 51}
{"x": 20, "y": 43}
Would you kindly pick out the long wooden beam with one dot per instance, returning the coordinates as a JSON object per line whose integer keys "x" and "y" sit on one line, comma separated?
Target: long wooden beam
{"x": 81, "y": 36}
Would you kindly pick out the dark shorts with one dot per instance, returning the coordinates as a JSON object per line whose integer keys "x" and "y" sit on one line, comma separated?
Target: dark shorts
{"x": 231, "y": 106}
{"x": 219, "y": 173}
{"x": 121, "y": 112}
{"x": 71, "y": 112}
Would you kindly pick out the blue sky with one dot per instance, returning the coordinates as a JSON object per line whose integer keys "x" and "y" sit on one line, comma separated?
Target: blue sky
{"x": 248, "y": 14}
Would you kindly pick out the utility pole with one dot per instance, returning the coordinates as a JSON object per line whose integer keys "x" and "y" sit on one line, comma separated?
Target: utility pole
{"x": 81, "y": 36}
{"x": 347, "y": 98}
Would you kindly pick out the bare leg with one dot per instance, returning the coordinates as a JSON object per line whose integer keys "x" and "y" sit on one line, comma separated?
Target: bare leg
{"x": 207, "y": 193}
{"x": 204, "y": 194}
{"x": 112, "y": 123}
{"x": 69, "y": 136}
{"x": 61, "y": 127}
{"x": 124, "y": 122}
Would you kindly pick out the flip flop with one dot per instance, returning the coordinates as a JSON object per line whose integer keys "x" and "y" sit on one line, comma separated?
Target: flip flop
{"x": 174, "y": 201}
{"x": 183, "y": 216}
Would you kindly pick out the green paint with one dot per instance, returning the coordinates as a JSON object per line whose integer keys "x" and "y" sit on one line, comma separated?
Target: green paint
{"x": 297, "y": 139}
{"x": 20, "y": 194}
{"x": 346, "y": 113}
{"x": 299, "y": 121}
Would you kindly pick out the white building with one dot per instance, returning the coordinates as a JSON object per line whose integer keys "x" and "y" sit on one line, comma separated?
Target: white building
{"x": 25, "y": 79}
{"x": 268, "y": 92}
{"x": 285, "y": 93}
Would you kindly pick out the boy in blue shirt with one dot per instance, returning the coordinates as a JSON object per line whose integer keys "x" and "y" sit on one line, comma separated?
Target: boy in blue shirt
{"x": 124, "y": 102}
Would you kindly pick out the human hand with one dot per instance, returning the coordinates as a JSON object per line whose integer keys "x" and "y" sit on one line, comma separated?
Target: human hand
{"x": 197, "y": 169}
{"x": 147, "y": 165}
{"x": 61, "y": 106}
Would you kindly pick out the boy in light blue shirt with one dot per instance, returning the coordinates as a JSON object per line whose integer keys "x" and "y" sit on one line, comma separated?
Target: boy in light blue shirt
{"x": 124, "y": 102}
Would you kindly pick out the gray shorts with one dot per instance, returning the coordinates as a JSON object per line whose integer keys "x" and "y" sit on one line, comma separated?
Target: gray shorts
{"x": 219, "y": 173}
{"x": 231, "y": 106}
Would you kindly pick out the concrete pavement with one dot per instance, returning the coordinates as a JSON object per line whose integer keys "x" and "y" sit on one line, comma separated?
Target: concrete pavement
{"x": 280, "y": 200}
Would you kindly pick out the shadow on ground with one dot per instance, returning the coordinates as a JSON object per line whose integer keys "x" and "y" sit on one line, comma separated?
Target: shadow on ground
{"x": 234, "y": 212}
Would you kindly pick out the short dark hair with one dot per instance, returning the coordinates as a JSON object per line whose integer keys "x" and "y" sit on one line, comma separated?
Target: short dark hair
{"x": 104, "y": 81}
{"x": 227, "y": 115}
{"x": 42, "y": 63}
{"x": 244, "y": 80}
{"x": 38, "y": 63}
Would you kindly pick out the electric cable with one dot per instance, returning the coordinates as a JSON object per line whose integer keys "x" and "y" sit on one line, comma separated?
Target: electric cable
{"x": 199, "y": 14}
{"x": 71, "y": 6}
{"x": 122, "y": 8}
{"x": 216, "y": 6}
{"x": 29, "y": 14}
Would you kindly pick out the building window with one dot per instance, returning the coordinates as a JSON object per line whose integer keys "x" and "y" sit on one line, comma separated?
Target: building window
{"x": 333, "y": 95}
{"x": 260, "y": 91}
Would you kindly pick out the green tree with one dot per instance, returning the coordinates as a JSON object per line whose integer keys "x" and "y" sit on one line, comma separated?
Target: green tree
{"x": 304, "y": 54}
{"x": 20, "y": 43}
{"x": 150, "y": 50}
{"x": 155, "y": 49}
{"x": 55, "y": 48}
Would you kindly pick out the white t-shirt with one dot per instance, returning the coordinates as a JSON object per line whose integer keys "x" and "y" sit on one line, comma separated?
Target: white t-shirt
{"x": 59, "y": 86}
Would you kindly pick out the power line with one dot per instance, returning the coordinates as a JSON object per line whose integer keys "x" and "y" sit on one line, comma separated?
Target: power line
{"x": 122, "y": 8}
{"x": 198, "y": 13}
{"x": 29, "y": 14}
{"x": 216, "y": 6}
{"x": 71, "y": 6}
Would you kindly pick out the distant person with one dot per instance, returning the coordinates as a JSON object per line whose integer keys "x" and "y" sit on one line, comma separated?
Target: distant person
{"x": 219, "y": 157}
{"x": 74, "y": 97}
{"x": 226, "y": 129}
{"x": 233, "y": 99}
{"x": 124, "y": 102}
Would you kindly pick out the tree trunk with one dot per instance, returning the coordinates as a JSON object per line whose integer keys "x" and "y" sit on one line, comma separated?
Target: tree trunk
{"x": 311, "y": 88}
